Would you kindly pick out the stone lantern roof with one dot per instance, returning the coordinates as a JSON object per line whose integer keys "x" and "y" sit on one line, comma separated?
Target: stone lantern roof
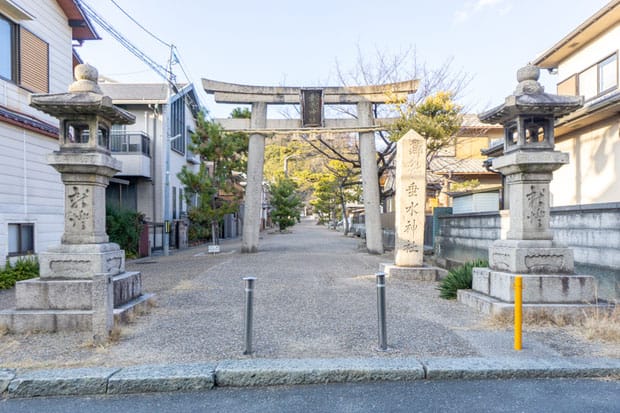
{"x": 84, "y": 98}
{"x": 530, "y": 99}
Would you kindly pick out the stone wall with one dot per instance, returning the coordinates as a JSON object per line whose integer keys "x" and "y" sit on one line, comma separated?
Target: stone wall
{"x": 465, "y": 237}
{"x": 593, "y": 231}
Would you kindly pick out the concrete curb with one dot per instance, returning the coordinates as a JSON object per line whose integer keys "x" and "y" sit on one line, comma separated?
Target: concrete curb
{"x": 269, "y": 372}
{"x": 6, "y": 376}
{"x": 516, "y": 367}
{"x": 264, "y": 372}
{"x": 147, "y": 379}
{"x": 62, "y": 382}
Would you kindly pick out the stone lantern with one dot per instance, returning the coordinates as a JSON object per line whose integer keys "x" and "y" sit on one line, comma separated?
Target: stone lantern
{"x": 528, "y": 163}
{"x": 529, "y": 159}
{"x": 83, "y": 279}
{"x": 84, "y": 161}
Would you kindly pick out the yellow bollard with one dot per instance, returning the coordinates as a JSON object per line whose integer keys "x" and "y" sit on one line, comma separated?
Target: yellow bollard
{"x": 518, "y": 311}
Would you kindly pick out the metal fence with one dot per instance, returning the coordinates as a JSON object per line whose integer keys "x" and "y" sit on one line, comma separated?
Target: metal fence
{"x": 131, "y": 142}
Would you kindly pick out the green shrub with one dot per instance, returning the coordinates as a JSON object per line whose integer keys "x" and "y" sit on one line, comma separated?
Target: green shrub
{"x": 198, "y": 232}
{"x": 459, "y": 278}
{"x": 23, "y": 269}
{"x": 124, "y": 227}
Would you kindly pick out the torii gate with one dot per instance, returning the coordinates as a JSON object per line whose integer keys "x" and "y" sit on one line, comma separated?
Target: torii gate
{"x": 312, "y": 101}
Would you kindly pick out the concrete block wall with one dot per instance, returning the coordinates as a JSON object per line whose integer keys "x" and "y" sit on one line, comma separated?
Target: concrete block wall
{"x": 592, "y": 231}
{"x": 465, "y": 237}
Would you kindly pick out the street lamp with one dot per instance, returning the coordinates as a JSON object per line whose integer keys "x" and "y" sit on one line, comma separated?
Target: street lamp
{"x": 286, "y": 158}
{"x": 167, "y": 217}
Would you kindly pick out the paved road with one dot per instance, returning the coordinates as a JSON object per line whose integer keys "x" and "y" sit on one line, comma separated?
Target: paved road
{"x": 563, "y": 396}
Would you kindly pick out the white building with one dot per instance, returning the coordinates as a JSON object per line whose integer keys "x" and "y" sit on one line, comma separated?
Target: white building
{"x": 162, "y": 117}
{"x": 36, "y": 56}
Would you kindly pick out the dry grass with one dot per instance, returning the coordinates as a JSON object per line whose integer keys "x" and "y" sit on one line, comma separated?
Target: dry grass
{"x": 115, "y": 335}
{"x": 152, "y": 303}
{"x": 538, "y": 318}
{"x": 603, "y": 326}
{"x": 597, "y": 325}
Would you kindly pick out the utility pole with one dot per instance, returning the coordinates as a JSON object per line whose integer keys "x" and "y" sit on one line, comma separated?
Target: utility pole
{"x": 167, "y": 140}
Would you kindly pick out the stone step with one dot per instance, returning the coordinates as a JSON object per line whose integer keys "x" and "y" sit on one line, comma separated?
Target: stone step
{"x": 537, "y": 288}
{"x": 73, "y": 294}
{"x": 127, "y": 286}
{"x": 24, "y": 321}
{"x": 40, "y": 294}
{"x": 125, "y": 312}
{"x": 48, "y": 321}
{"x": 493, "y": 306}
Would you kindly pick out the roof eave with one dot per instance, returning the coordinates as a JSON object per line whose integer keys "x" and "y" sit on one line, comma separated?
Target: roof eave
{"x": 81, "y": 26}
{"x": 592, "y": 27}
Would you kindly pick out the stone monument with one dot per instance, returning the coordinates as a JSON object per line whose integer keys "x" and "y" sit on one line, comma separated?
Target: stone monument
{"x": 529, "y": 250}
{"x": 83, "y": 285}
{"x": 410, "y": 202}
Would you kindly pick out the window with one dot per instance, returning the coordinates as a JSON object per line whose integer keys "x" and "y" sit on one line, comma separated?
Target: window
{"x": 21, "y": 239}
{"x": 7, "y": 49}
{"x": 177, "y": 125}
{"x": 599, "y": 78}
{"x": 568, "y": 86}
{"x": 608, "y": 74}
{"x": 587, "y": 83}
{"x": 174, "y": 202}
{"x": 24, "y": 57}
{"x": 181, "y": 201}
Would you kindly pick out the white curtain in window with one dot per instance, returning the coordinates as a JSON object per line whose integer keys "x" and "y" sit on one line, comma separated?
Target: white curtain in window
{"x": 608, "y": 73}
{"x": 588, "y": 85}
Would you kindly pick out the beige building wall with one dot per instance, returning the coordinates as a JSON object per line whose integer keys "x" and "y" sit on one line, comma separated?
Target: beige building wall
{"x": 603, "y": 46}
{"x": 592, "y": 176}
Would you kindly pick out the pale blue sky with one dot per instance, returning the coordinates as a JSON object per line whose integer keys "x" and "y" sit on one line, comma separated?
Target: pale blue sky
{"x": 293, "y": 43}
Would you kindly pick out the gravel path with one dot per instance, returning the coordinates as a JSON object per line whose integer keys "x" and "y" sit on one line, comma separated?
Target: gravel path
{"x": 315, "y": 297}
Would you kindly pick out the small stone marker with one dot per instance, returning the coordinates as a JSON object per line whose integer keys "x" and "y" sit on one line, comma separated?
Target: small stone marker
{"x": 410, "y": 199}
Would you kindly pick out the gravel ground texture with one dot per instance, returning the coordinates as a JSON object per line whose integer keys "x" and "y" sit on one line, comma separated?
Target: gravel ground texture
{"x": 315, "y": 297}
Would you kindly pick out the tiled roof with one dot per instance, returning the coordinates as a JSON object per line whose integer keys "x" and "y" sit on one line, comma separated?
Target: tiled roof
{"x": 136, "y": 92}
{"x": 28, "y": 122}
{"x": 445, "y": 164}
{"x": 471, "y": 120}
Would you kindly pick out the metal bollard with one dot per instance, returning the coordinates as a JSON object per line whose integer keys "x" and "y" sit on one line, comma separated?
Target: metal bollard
{"x": 381, "y": 311}
{"x": 249, "y": 298}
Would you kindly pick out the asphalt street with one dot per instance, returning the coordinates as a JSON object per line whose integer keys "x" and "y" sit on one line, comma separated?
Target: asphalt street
{"x": 481, "y": 396}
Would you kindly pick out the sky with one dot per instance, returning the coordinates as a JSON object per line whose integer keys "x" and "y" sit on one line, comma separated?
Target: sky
{"x": 294, "y": 43}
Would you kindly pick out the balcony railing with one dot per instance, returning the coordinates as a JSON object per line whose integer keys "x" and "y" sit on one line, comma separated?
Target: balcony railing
{"x": 131, "y": 142}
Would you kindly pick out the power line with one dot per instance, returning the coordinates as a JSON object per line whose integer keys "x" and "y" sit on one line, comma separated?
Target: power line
{"x": 139, "y": 25}
{"x": 165, "y": 72}
{"x": 159, "y": 69}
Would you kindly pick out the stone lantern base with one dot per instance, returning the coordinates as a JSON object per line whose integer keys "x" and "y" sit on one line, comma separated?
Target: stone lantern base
{"x": 81, "y": 288}
{"x": 552, "y": 293}
{"x": 421, "y": 273}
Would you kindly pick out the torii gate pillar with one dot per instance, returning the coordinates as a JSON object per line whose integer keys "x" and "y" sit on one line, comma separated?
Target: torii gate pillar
{"x": 370, "y": 182}
{"x": 253, "y": 189}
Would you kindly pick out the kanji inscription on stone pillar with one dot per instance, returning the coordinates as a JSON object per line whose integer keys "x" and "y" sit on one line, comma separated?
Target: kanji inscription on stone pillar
{"x": 410, "y": 200}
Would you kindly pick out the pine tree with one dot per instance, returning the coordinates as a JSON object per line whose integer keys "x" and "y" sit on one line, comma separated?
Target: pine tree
{"x": 223, "y": 156}
{"x": 285, "y": 202}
